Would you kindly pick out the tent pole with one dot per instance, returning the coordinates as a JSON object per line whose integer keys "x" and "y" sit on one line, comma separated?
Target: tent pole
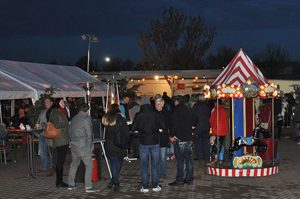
{"x": 12, "y": 107}
{"x": 1, "y": 119}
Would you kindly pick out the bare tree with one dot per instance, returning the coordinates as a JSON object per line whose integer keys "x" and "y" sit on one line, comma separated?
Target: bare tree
{"x": 176, "y": 41}
{"x": 221, "y": 59}
{"x": 272, "y": 58}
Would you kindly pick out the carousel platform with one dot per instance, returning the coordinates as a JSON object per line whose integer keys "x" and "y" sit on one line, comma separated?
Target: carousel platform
{"x": 231, "y": 172}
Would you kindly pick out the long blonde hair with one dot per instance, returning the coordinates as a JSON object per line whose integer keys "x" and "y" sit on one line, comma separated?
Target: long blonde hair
{"x": 110, "y": 118}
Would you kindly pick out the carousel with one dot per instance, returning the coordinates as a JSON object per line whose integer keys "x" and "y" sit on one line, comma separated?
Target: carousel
{"x": 252, "y": 149}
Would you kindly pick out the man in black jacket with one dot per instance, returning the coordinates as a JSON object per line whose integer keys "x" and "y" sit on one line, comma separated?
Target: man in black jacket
{"x": 201, "y": 111}
{"x": 146, "y": 123}
{"x": 181, "y": 135}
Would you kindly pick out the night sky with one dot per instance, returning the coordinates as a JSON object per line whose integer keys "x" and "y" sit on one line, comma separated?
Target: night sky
{"x": 42, "y": 31}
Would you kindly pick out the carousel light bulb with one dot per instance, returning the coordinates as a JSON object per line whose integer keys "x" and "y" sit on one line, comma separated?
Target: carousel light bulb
{"x": 156, "y": 77}
{"x": 196, "y": 77}
{"x": 182, "y": 78}
{"x": 175, "y": 77}
{"x": 143, "y": 79}
{"x": 131, "y": 80}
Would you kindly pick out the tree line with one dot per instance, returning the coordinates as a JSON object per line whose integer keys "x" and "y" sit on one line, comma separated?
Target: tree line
{"x": 178, "y": 41}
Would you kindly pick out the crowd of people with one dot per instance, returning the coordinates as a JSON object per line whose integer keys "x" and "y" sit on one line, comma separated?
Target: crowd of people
{"x": 152, "y": 129}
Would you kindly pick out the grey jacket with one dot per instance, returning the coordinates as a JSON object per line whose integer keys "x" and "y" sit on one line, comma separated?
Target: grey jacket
{"x": 80, "y": 132}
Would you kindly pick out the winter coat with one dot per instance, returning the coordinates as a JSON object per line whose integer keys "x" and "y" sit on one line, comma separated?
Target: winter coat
{"x": 81, "y": 132}
{"x": 147, "y": 124}
{"x": 218, "y": 121}
{"x": 61, "y": 122}
{"x": 164, "y": 117}
{"x": 201, "y": 112}
{"x": 118, "y": 124}
{"x": 181, "y": 123}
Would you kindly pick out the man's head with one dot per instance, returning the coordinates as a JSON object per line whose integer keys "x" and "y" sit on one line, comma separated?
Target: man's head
{"x": 84, "y": 107}
{"x": 48, "y": 102}
{"x": 159, "y": 104}
{"x": 177, "y": 100}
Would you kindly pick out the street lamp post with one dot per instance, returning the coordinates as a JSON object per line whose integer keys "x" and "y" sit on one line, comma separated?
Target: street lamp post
{"x": 90, "y": 38}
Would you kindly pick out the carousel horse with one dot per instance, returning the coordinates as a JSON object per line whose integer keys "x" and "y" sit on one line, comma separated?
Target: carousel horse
{"x": 254, "y": 141}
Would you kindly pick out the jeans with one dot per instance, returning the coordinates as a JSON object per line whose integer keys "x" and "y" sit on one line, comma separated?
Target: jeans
{"x": 201, "y": 146}
{"x": 86, "y": 157}
{"x": 116, "y": 165}
{"x": 163, "y": 162}
{"x": 183, "y": 153}
{"x": 153, "y": 151}
{"x": 44, "y": 153}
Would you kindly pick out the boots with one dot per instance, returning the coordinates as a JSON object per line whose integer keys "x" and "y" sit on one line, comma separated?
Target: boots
{"x": 117, "y": 187}
{"x": 59, "y": 178}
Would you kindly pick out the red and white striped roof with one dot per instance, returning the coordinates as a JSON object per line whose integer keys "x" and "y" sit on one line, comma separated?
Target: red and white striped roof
{"x": 239, "y": 70}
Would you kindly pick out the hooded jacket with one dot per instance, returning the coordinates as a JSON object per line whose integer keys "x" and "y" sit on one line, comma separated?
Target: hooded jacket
{"x": 181, "y": 123}
{"x": 147, "y": 124}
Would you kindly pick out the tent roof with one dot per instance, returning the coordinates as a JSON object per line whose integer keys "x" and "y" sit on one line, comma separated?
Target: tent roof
{"x": 38, "y": 77}
{"x": 12, "y": 89}
{"x": 239, "y": 70}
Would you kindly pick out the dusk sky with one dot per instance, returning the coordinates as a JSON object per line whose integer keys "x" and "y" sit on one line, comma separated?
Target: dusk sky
{"x": 42, "y": 31}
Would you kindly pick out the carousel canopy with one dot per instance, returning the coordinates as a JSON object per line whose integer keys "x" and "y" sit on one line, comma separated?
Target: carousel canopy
{"x": 239, "y": 70}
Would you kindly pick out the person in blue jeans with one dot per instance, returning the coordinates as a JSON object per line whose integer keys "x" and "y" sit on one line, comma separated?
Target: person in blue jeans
{"x": 164, "y": 117}
{"x": 115, "y": 125}
{"x": 181, "y": 135}
{"x": 147, "y": 124}
{"x": 45, "y": 165}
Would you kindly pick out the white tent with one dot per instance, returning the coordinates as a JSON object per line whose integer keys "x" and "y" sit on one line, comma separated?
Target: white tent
{"x": 37, "y": 77}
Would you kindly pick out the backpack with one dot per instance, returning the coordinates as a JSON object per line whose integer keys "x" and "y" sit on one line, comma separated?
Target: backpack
{"x": 122, "y": 136}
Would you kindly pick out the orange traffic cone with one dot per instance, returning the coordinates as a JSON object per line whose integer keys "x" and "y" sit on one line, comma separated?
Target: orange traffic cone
{"x": 95, "y": 177}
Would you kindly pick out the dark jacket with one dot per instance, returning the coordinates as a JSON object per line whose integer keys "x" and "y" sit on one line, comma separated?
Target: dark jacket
{"x": 120, "y": 124}
{"x": 60, "y": 121}
{"x": 147, "y": 124}
{"x": 181, "y": 123}
{"x": 164, "y": 117}
{"x": 201, "y": 113}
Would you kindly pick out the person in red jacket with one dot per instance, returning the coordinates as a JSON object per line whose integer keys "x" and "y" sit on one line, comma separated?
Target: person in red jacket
{"x": 219, "y": 129}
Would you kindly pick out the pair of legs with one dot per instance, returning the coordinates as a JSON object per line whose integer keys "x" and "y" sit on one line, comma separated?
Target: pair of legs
{"x": 116, "y": 166}
{"x": 60, "y": 154}
{"x": 183, "y": 153}
{"x": 86, "y": 156}
{"x": 151, "y": 151}
{"x": 201, "y": 146}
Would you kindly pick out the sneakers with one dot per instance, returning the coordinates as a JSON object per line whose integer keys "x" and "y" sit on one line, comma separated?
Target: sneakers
{"x": 143, "y": 190}
{"x": 72, "y": 187}
{"x": 156, "y": 189}
{"x": 91, "y": 190}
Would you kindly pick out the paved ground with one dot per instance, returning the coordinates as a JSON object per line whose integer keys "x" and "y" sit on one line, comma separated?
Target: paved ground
{"x": 286, "y": 184}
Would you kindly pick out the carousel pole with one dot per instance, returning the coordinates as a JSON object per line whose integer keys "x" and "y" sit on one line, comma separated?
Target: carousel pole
{"x": 273, "y": 130}
{"x": 217, "y": 136}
